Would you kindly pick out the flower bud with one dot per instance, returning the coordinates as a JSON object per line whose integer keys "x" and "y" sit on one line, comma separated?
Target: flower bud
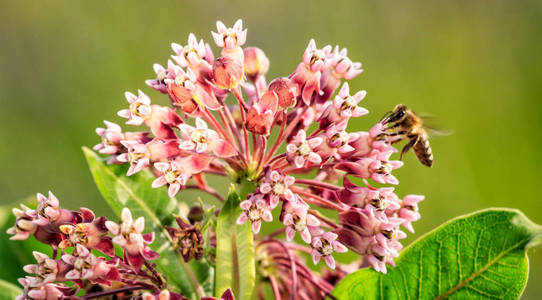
{"x": 227, "y": 73}
{"x": 261, "y": 115}
{"x": 256, "y": 63}
{"x": 286, "y": 91}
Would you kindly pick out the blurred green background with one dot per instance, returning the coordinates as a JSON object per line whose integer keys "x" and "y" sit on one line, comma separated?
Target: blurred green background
{"x": 477, "y": 65}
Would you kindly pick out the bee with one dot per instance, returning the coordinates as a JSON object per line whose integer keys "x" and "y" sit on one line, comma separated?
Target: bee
{"x": 407, "y": 125}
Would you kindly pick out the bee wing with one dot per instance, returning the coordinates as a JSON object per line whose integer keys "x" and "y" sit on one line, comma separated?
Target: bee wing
{"x": 433, "y": 132}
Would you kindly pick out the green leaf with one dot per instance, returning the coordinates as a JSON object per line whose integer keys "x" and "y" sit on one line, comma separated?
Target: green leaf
{"x": 234, "y": 251}
{"x": 477, "y": 256}
{"x": 15, "y": 254}
{"x": 136, "y": 193}
{"x": 9, "y": 291}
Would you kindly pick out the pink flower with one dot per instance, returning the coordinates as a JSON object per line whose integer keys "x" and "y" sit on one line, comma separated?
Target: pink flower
{"x": 176, "y": 173}
{"x": 163, "y": 295}
{"x": 336, "y": 142}
{"x": 24, "y": 225}
{"x": 48, "y": 210}
{"x": 91, "y": 235}
{"x": 128, "y": 235}
{"x": 86, "y": 266}
{"x": 189, "y": 94}
{"x": 356, "y": 196}
{"x": 231, "y": 39}
{"x": 46, "y": 270}
{"x": 262, "y": 114}
{"x": 137, "y": 156}
{"x": 409, "y": 210}
{"x": 111, "y": 137}
{"x": 377, "y": 167}
{"x": 203, "y": 140}
{"x": 307, "y": 74}
{"x": 297, "y": 219}
{"x": 162, "y": 74}
{"x": 49, "y": 291}
{"x": 191, "y": 55}
{"x": 140, "y": 108}
{"x": 343, "y": 108}
{"x": 323, "y": 246}
{"x": 255, "y": 209}
{"x": 276, "y": 186}
{"x": 340, "y": 67}
{"x": 300, "y": 150}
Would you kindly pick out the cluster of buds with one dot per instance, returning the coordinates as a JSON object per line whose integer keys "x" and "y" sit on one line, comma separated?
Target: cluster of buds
{"x": 72, "y": 235}
{"x": 234, "y": 139}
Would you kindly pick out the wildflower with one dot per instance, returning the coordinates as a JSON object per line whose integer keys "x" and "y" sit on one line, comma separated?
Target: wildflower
{"x": 162, "y": 74}
{"x": 308, "y": 73}
{"x": 276, "y": 185}
{"x": 201, "y": 139}
{"x": 49, "y": 291}
{"x": 24, "y": 225}
{"x": 255, "y": 209}
{"x": 340, "y": 67}
{"x": 128, "y": 235}
{"x": 191, "y": 55}
{"x": 163, "y": 295}
{"x": 231, "y": 39}
{"x": 297, "y": 219}
{"x": 409, "y": 210}
{"x": 300, "y": 150}
{"x": 323, "y": 246}
{"x": 377, "y": 167}
{"x": 91, "y": 235}
{"x": 344, "y": 107}
{"x": 187, "y": 93}
{"x": 140, "y": 108}
{"x": 46, "y": 270}
{"x": 86, "y": 266}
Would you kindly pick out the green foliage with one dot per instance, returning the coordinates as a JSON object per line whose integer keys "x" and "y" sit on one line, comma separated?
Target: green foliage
{"x": 9, "y": 291}
{"x": 136, "y": 193}
{"x": 235, "y": 267}
{"x": 477, "y": 256}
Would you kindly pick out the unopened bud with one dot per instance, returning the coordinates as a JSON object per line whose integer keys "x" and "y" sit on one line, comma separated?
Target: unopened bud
{"x": 227, "y": 73}
{"x": 286, "y": 91}
{"x": 256, "y": 63}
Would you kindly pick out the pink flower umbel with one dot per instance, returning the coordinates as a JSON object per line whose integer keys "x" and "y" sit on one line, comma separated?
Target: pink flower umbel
{"x": 177, "y": 172}
{"x": 46, "y": 270}
{"x": 276, "y": 186}
{"x": 297, "y": 219}
{"x": 201, "y": 139}
{"x": 343, "y": 107}
{"x": 128, "y": 235}
{"x": 255, "y": 209}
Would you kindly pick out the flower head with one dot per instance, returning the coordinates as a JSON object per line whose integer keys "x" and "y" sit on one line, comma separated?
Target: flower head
{"x": 323, "y": 247}
{"x": 255, "y": 209}
{"x": 276, "y": 185}
{"x": 301, "y": 151}
{"x": 128, "y": 235}
{"x": 140, "y": 108}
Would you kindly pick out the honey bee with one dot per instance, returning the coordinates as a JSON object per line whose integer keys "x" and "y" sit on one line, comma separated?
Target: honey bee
{"x": 407, "y": 125}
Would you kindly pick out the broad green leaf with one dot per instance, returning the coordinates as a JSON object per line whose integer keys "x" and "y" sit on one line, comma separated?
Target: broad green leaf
{"x": 15, "y": 254}
{"x": 9, "y": 291}
{"x": 477, "y": 256}
{"x": 234, "y": 251}
{"x": 136, "y": 193}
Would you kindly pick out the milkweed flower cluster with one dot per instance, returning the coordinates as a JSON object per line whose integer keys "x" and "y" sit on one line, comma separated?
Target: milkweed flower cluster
{"x": 72, "y": 235}
{"x": 287, "y": 138}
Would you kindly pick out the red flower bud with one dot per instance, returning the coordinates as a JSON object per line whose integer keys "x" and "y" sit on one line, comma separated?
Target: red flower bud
{"x": 261, "y": 115}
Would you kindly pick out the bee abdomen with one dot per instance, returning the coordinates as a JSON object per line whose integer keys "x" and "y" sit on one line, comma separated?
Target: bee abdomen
{"x": 423, "y": 151}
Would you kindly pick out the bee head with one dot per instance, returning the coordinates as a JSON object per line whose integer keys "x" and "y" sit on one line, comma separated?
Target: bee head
{"x": 396, "y": 115}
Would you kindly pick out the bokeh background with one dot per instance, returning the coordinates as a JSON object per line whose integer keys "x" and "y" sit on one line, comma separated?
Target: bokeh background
{"x": 475, "y": 65}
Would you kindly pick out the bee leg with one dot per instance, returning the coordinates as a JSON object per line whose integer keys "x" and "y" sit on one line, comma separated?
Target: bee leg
{"x": 407, "y": 147}
{"x": 398, "y": 136}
